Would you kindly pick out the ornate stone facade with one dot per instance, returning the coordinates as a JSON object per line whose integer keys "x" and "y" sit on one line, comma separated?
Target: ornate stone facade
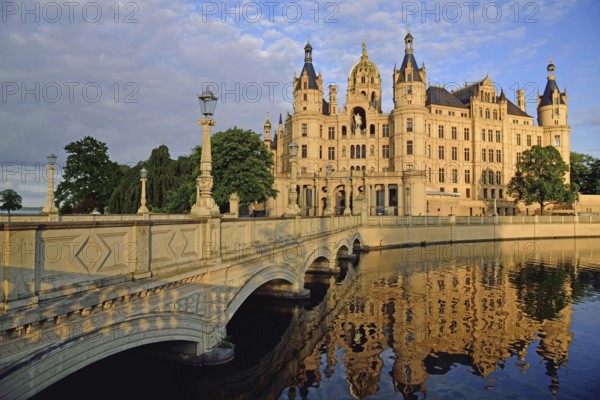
{"x": 438, "y": 152}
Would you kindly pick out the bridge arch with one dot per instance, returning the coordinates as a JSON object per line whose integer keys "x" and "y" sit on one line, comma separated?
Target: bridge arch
{"x": 40, "y": 370}
{"x": 283, "y": 272}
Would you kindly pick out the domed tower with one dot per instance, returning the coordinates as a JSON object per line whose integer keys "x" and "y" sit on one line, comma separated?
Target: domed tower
{"x": 308, "y": 87}
{"x": 552, "y": 105}
{"x": 365, "y": 80}
{"x": 409, "y": 80}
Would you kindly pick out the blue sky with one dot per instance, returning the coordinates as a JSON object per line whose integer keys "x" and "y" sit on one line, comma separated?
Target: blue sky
{"x": 128, "y": 73}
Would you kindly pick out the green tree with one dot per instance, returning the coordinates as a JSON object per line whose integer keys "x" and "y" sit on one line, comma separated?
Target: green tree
{"x": 167, "y": 179}
{"x": 89, "y": 177}
{"x": 540, "y": 178}
{"x": 242, "y": 164}
{"x": 585, "y": 173}
{"x": 10, "y": 200}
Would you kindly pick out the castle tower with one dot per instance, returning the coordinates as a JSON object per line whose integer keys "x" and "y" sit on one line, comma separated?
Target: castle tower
{"x": 552, "y": 105}
{"x": 553, "y": 116}
{"x": 308, "y": 87}
{"x": 409, "y": 80}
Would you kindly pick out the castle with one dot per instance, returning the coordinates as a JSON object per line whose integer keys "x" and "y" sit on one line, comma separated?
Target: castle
{"x": 438, "y": 152}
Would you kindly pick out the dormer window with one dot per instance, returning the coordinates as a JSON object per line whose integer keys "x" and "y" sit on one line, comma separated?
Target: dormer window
{"x": 409, "y": 77}
{"x": 409, "y": 90}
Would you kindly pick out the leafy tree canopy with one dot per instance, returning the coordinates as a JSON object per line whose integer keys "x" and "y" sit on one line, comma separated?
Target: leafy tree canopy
{"x": 585, "y": 173}
{"x": 242, "y": 164}
{"x": 89, "y": 177}
{"x": 165, "y": 177}
{"x": 10, "y": 200}
{"x": 540, "y": 178}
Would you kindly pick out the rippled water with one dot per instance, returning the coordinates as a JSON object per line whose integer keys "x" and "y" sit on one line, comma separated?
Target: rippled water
{"x": 510, "y": 320}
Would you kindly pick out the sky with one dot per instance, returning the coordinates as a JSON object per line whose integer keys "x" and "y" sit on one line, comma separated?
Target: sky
{"x": 128, "y": 73}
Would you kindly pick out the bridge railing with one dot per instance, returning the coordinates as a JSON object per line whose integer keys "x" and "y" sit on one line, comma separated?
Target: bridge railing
{"x": 481, "y": 220}
{"x": 49, "y": 260}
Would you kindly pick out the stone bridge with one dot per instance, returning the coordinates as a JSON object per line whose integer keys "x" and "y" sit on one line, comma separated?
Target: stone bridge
{"x": 74, "y": 292}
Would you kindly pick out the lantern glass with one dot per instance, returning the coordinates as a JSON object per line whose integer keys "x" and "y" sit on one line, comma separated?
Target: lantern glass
{"x": 143, "y": 173}
{"x": 293, "y": 146}
{"x": 208, "y": 103}
{"x": 51, "y": 159}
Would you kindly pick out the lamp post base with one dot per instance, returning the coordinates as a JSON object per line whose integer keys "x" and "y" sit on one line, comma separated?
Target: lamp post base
{"x": 205, "y": 207}
{"x": 49, "y": 210}
{"x": 292, "y": 211}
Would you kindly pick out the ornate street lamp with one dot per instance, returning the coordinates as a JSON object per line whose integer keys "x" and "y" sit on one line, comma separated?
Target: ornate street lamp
{"x": 328, "y": 208}
{"x": 50, "y": 208}
{"x": 495, "y": 214}
{"x": 292, "y": 209}
{"x": 205, "y": 205}
{"x": 143, "y": 209}
{"x": 408, "y": 212}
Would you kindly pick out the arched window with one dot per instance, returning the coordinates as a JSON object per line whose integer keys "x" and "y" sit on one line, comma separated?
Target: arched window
{"x": 487, "y": 113}
{"x": 480, "y": 112}
{"x": 362, "y": 79}
{"x": 373, "y": 101}
{"x": 372, "y": 79}
{"x": 495, "y": 114}
{"x": 305, "y": 97}
{"x": 372, "y": 129}
{"x": 343, "y": 130}
{"x": 364, "y": 151}
{"x": 352, "y": 168}
{"x": 352, "y": 151}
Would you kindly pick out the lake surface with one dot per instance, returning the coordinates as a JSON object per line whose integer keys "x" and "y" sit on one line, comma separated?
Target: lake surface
{"x": 508, "y": 320}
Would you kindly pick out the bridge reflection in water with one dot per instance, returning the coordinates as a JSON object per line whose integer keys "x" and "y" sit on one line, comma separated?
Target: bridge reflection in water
{"x": 476, "y": 320}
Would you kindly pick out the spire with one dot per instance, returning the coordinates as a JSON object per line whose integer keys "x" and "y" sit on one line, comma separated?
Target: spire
{"x": 308, "y": 52}
{"x": 550, "y": 69}
{"x": 408, "y": 42}
{"x": 364, "y": 55}
{"x": 280, "y": 120}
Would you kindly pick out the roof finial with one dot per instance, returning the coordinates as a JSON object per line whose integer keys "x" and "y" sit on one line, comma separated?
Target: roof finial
{"x": 308, "y": 40}
{"x": 364, "y": 47}
{"x": 550, "y": 59}
{"x": 408, "y": 28}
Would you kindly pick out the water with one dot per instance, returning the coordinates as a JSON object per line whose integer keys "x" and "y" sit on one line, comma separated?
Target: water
{"x": 510, "y": 320}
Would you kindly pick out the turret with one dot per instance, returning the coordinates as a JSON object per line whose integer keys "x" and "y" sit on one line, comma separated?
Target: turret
{"x": 409, "y": 80}
{"x": 552, "y": 104}
{"x": 267, "y": 131}
{"x": 521, "y": 100}
{"x": 333, "y": 100}
{"x": 308, "y": 87}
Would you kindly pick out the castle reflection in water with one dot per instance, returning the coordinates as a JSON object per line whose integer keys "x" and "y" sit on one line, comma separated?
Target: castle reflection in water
{"x": 471, "y": 304}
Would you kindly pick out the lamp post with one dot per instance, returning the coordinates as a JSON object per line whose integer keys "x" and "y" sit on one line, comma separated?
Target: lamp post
{"x": 143, "y": 209}
{"x": 408, "y": 205}
{"x": 205, "y": 205}
{"x": 328, "y": 208}
{"x": 495, "y": 214}
{"x": 292, "y": 209}
{"x": 50, "y": 208}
